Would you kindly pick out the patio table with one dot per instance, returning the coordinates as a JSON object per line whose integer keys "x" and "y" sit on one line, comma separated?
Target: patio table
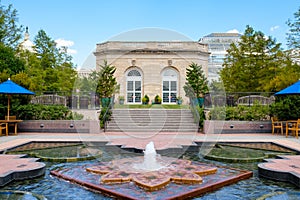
{"x": 14, "y": 122}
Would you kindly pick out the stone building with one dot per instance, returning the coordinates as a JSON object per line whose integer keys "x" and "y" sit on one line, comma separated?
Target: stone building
{"x": 152, "y": 68}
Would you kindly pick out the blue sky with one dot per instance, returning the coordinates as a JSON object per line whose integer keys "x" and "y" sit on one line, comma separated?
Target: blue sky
{"x": 81, "y": 24}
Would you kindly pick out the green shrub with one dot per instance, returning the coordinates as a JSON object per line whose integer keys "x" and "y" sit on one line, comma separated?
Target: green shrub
{"x": 145, "y": 99}
{"x": 286, "y": 108}
{"x": 104, "y": 116}
{"x": 45, "y": 112}
{"x": 199, "y": 112}
{"x": 157, "y": 99}
{"x": 243, "y": 113}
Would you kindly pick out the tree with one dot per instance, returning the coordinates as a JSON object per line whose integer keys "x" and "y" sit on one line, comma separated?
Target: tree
{"x": 196, "y": 81}
{"x": 46, "y": 51}
{"x": 10, "y": 31}
{"x": 49, "y": 66}
{"x": 107, "y": 83}
{"x": 293, "y": 36}
{"x": 254, "y": 64}
{"x": 9, "y": 62}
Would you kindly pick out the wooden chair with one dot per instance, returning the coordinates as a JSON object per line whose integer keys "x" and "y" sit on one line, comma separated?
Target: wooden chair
{"x": 276, "y": 125}
{"x": 3, "y": 126}
{"x": 10, "y": 118}
{"x": 293, "y": 126}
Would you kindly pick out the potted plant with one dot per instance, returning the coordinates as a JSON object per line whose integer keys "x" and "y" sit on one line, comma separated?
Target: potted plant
{"x": 107, "y": 84}
{"x": 157, "y": 99}
{"x": 145, "y": 100}
{"x": 121, "y": 100}
{"x": 179, "y": 100}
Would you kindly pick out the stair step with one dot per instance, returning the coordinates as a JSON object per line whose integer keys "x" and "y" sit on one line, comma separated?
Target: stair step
{"x": 149, "y": 120}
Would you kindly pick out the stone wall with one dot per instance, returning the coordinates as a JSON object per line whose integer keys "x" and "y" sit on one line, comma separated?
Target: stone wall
{"x": 59, "y": 126}
{"x": 215, "y": 126}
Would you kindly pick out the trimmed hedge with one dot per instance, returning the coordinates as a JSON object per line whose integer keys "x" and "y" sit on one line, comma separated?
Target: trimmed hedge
{"x": 242, "y": 113}
{"x": 45, "y": 112}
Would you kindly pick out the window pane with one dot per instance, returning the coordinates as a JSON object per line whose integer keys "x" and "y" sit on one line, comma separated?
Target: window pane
{"x": 173, "y": 97}
{"x": 173, "y": 86}
{"x": 134, "y": 73}
{"x": 129, "y": 85}
{"x": 166, "y": 97}
{"x": 138, "y": 97}
{"x": 165, "y": 85}
{"x": 129, "y": 97}
{"x": 138, "y": 86}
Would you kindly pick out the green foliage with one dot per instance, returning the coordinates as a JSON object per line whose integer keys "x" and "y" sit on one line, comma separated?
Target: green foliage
{"x": 51, "y": 67}
{"x": 198, "y": 114}
{"x": 107, "y": 83}
{"x": 293, "y": 35}
{"x": 46, "y": 50}
{"x": 201, "y": 113}
{"x": 257, "y": 63}
{"x": 145, "y": 99}
{"x": 10, "y": 31}
{"x": 196, "y": 81}
{"x": 242, "y": 113}
{"x": 157, "y": 99}
{"x": 105, "y": 115}
{"x": 45, "y": 112}
{"x": 286, "y": 107}
{"x": 10, "y": 63}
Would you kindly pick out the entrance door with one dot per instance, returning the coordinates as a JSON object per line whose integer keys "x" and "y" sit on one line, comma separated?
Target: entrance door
{"x": 169, "y": 86}
{"x": 134, "y": 87}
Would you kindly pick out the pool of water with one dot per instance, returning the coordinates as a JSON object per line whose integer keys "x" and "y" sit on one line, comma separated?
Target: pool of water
{"x": 253, "y": 188}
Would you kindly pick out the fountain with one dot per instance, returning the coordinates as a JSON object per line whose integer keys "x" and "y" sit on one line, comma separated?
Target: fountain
{"x": 150, "y": 159}
{"x": 137, "y": 177}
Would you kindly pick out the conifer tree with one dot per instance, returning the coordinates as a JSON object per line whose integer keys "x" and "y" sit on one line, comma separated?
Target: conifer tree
{"x": 197, "y": 84}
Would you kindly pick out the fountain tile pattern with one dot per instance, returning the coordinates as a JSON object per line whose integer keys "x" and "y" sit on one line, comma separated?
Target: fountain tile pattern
{"x": 222, "y": 177}
{"x": 285, "y": 169}
{"x": 178, "y": 171}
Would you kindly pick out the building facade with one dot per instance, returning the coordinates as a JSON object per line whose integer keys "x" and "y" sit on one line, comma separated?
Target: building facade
{"x": 152, "y": 68}
{"x": 218, "y": 43}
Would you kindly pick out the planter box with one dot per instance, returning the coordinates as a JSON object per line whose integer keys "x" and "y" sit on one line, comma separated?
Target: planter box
{"x": 216, "y": 126}
{"x": 59, "y": 126}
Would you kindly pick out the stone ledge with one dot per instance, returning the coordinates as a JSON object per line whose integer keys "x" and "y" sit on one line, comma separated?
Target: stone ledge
{"x": 16, "y": 167}
{"x": 286, "y": 169}
{"x": 219, "y": 126}
{"x": 59, "y": 126}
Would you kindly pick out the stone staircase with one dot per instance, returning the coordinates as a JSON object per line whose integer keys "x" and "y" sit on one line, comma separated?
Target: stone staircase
{"x": 151, "y": 120}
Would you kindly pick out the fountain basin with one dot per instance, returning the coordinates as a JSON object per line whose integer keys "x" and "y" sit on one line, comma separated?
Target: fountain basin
{"x": 185, "y": 179}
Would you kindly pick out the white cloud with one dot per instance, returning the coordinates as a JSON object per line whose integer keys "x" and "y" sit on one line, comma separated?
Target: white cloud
{"x": 66, "y": 43}
{"x": 273, "y": 28}
{"x": 233, "y": 31}
{"x": 72, "y": 51}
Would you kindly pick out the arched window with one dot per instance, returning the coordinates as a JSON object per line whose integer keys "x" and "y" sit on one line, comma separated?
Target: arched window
{"x": 134, "y": 86}
{"x": 170, "y": 85}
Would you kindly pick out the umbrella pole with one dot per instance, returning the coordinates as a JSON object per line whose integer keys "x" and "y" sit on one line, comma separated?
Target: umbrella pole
{"x": 8, "y": 103}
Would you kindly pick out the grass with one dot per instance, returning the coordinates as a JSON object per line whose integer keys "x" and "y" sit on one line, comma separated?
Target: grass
{"x": 156, "y": 106}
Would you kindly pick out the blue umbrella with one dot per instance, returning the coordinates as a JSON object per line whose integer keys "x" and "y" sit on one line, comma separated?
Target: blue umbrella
{"x": 9, "y": 87}
{"x": 292, "y": 89}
